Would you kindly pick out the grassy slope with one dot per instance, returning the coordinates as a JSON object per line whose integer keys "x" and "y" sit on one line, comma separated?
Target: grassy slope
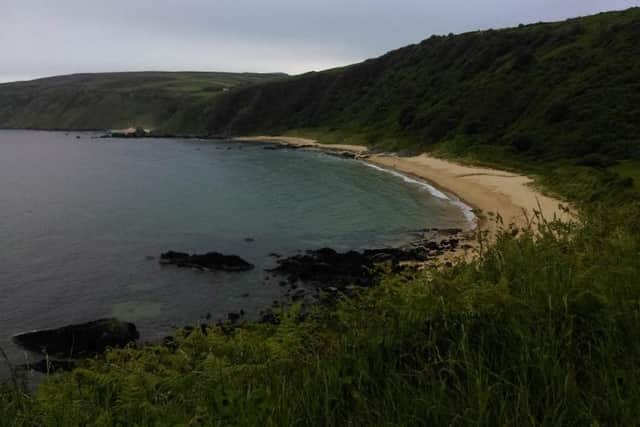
{"x": 536, "y": 332}
{"x": 112, "y": 100}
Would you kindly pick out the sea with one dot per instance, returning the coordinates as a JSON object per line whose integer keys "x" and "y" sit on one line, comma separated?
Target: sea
{"x": 84, "y": 220}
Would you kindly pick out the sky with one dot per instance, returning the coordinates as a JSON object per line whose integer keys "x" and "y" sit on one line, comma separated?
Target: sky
{"x": 51, "y": 37}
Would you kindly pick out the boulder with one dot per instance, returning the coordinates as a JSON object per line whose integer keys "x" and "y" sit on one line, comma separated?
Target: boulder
{"x": 139, "y": 133}
{"x": 85, "y": 339}
{"x": 327, "y": 268}
{"x": 211, "y": 261}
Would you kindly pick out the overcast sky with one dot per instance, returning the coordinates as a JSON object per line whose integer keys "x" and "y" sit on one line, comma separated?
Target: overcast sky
{"x": 50, "y": 37}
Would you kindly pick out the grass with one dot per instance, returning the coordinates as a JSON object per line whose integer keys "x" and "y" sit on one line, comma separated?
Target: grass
{"x": 629, "y": 169}
{"x": 537, "y": 331}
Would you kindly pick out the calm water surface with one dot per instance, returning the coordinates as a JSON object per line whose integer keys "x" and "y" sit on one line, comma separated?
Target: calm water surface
{"x": 81, "y": 219}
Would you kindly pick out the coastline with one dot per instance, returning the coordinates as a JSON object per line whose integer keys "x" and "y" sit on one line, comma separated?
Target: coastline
{"x": 491, "y": 193}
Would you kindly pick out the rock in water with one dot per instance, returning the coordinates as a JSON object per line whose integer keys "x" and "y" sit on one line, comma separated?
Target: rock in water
{"x": 326, "y": 267}
{"x": 79, "y": 340}
{"x": 211, "y": 261}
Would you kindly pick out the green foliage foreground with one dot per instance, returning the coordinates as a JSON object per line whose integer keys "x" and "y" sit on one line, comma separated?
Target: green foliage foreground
{"x": 537, "y": 331}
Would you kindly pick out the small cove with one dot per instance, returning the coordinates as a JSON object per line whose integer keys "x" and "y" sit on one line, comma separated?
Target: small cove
{"x": 83, "y": 221}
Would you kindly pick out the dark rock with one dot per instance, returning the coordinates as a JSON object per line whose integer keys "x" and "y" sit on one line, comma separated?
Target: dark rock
{"x": 337, "y": 153}
{"x": 79, "y": 340}
{"x": 298, "y": 295}
{"x": 49, "y": 366}
{"x": 249, "y": 240}
{"x": 328, "y": 268}
{"x": 170, "y": 343}
{"x": 211, "y": 260}
{"x": 269, "y": 316}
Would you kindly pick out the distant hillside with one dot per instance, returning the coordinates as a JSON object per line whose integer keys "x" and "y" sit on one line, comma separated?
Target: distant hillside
{"x": 543, "y": 91}
{"x": 112, "y": 100}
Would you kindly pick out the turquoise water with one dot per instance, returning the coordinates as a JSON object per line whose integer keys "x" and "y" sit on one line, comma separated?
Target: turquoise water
{"x": 80, "y": 219}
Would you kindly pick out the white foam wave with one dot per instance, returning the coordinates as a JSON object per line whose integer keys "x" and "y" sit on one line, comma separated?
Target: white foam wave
{"x": 467, "y": 210}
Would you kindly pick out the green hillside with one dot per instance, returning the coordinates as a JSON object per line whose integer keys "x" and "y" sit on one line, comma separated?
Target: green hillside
{"x": 112, "y": 100}
{"x": 543, "y": 91}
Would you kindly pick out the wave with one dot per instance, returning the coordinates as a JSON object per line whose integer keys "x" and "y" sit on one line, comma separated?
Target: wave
{"x": 467, "y": 210}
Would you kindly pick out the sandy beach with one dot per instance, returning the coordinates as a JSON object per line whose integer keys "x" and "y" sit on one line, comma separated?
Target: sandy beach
{"x": 490, "y": 192}
{"x": 304, "y": 142}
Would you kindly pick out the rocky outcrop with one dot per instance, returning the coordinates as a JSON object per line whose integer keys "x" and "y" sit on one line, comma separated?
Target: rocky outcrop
{"x": 85, "y": 339}
{"x": 326, "y": 268}
{"x": 208, "y": 261}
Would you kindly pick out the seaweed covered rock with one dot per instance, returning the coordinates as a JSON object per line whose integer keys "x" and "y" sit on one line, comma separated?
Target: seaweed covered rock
{"x": 83, "y": 339}
{"x": 327, "y": 268}
{"x": 209, "y": 261}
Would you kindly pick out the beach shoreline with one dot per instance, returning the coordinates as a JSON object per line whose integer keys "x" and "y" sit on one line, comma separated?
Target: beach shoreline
{"x": 499, "y": 199}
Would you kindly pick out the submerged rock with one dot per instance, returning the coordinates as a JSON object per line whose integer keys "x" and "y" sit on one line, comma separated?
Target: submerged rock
{"x": 211, "y": 261}
{"x": 83, "y": 339}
